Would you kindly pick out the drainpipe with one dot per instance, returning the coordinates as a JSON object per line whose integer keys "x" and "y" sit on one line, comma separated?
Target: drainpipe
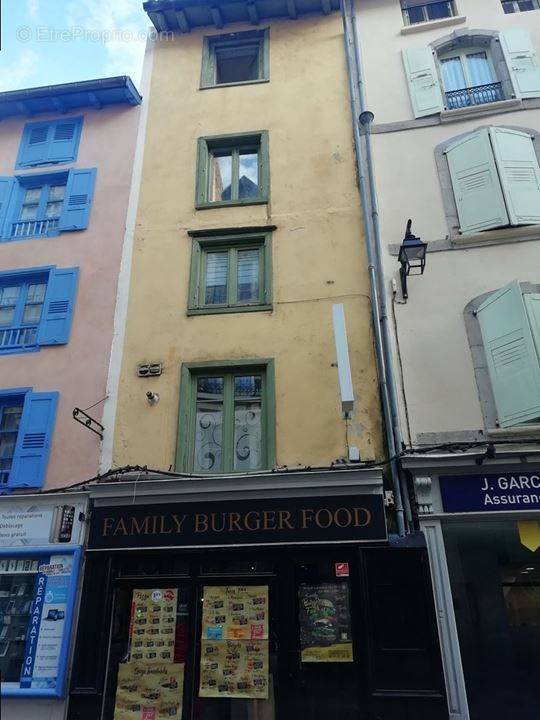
{"x": 362, "y": 119}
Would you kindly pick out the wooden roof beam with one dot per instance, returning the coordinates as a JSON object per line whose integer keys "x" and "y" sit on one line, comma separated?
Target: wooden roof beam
{"x": 291, "y": 7}
{"x": 326, "y": 7}
{"x": 183, "y": 23}
{"x": 253, "y": 13}
{"x": 217, "y": 17}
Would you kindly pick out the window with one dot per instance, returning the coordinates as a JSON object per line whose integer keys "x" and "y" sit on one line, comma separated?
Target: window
{"x": 36, "y": 308}
{"x": 469, "y": 68}
{"x": 495, "y": 178}
{"x": 418, "y": 11}
{"x": 233, "y": 170}
{"x": 46, "y": 204}
{"x": 26, "y": 427}
{"x": 48, "y": 143}
{"x": 231, "y": 273}
{"x": 226, "y": 417}
{"x": 235, "y": 58}
{"x": 513, "y": 6}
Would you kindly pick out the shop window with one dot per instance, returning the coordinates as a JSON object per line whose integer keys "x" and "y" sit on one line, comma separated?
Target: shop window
{"x": 514, "y": 6}
{"x": 235, "y": 58}
{"x": 50, "y": 143}
{"x": 419, "y": 11}
{"x": 226, "y": 417}
{"x": 36, "y": 308}
{"x": 468, "y": 68}
{"x": 232, "y": 170}
{"x": 230, "y": 274}
{"x": 26, "y": 428}
{"x": 44, "y": 205}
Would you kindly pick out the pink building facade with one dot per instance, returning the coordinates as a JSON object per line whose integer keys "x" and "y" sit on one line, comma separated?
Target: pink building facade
{"x": 66, "y": 159}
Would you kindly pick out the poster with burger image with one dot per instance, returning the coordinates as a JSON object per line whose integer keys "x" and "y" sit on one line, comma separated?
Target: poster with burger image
{"x": 325, "y": 623}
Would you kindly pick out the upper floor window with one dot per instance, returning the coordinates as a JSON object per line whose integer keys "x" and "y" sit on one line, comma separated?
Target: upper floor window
{"x": 419, "y": 11}
{"x": 26, "y": 428}
{"x": 235, "y": 58}
{"x": 51, "y": 142}
{"x": 36, "y": 308}
{"x": 470, "y": 68}
{"x": 46, "y": 204}
{"x": 232, "y": 170}
{"x": 513, "y": 6}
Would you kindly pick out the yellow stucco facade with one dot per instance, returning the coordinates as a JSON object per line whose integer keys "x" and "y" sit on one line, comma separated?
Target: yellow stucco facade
{"x": 318, "y": 253}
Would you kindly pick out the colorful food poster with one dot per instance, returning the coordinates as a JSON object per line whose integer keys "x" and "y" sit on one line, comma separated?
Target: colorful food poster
{"x": 147, "y": 691}
{"x": 325, "y": 623}
{"x": 234, "y": 643}
{"x": 153, "y": 625}
{"x": 235, "y": 612}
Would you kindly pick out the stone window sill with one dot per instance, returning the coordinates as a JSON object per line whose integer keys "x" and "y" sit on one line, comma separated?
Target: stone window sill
{"x": 433, "y": 24}
{"x": 521, "y": 431}
{"x": 485, "y": 109}
{"x": 504, "y": 235}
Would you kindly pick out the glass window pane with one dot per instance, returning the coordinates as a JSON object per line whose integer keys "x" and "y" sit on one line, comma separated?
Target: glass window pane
{"x": 238, "y": 64}
{"x": 56, "y": 192}
{"x": 416, "y": 15}
{"x": 53, "y": 209}
{"x": 11, "y": 417}
{"x": 216, "y": 278}
{"x": 508, "y": 6}
{"x": 247, "y": 422}
{"x": 36, "y": 292}
{"x": 6, "y": 316}
{"x": 439, "y": 10}
{"x": 247, "y": 275}
{"x": 526, "y": 5}
{"x": 32, "y": 314}
{"x": 29, "y": 212}
{"x": 453, "y": 75}
{"x": 32, "y": 196}
{"x": 220, "y": 176}
{"x": 7, "y": 445}
{"x": 9, "y": 295}
{"x": 479, "y": 69}
{"x": 209, "y": 424}
{"x": 248, "y": 176}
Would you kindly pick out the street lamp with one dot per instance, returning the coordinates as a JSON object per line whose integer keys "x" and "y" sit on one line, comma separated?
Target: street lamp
{"x": 412, "y": 257}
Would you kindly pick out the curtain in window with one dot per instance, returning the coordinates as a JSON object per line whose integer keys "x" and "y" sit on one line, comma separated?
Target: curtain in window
{"x": 479, "y": 69}
{"x": 216, "y": 278}
{"x": 248, "y": 275}
{"x": 452, "y": 73}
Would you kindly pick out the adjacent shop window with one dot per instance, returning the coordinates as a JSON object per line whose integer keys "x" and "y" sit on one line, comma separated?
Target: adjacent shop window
{"x": 494, "y": 174}
{"x": 44, "y": 205}
{"x": 505, "y": 326}
{"x": 48, "y": 143}
{"x": 419, "y": 11}
{"x": 233, "y": 170}
{"x": 235, "y": 58}
{"x": 36, "y": 308}
{"x": 26, "y": 428}
{"x": 513, "y": 6}
{"x": 230, "y": 273}
{"x": 468, "y": 69}
{"x": 226, "y": 417}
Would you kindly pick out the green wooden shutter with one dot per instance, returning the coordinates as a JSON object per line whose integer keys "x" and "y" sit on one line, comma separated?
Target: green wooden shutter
{"x": 511, "y": 355}
{"x": 424, "y": 88}
{"x": 522, "y": 62}
{"x": 476, "y": 184}
{"x": 519, "y": 174}
{"x": 532, "y": 305}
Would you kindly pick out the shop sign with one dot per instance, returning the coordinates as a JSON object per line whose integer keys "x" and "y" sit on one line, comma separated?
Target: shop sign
{"x": 493, "y": 492}
{"x": 25, "y": 525}
{"x": 356, "y": 518}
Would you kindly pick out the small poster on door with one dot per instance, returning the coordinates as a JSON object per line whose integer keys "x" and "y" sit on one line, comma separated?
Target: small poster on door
{"x": 325, "y": 623}
{"x": 152, "y": 629}
{"x": 149, "y": 691}
{"x": 235, "y": 612}
{"x": 236, "y": 669}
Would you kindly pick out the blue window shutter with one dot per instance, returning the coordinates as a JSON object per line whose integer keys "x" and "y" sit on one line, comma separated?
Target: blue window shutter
{"x": 58, "y": 307}
{"x": 34, "y": 148}
{"x": 522, "y": 62}
{"x": 532, "y": 303}
{"x": 7, "y": 185}
{"x": 511, "y": 356}
{"x": 423, "y": 81}
{"x": 64, "y": 142}
{"x": 33, "y": 441}
{"x": 78, "y": 199}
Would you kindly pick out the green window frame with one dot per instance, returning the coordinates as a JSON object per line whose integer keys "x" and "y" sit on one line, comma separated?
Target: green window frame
{"x": 226, "y": 438}
{"x": 211, "y": 149}
{"x": 232, "y": 244}
{"x": 252, "y": 43}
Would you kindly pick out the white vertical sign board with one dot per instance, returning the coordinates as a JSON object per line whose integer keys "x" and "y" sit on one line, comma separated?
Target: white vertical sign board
{"x": 342, "y": 355}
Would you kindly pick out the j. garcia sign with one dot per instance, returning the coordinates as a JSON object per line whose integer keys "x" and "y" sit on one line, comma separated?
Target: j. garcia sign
{"x": 494, "y": 492}
{"x": 249, "y": 522}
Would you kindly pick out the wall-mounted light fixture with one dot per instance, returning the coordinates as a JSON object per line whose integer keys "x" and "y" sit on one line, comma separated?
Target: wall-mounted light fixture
{"x": 412, "y": 257}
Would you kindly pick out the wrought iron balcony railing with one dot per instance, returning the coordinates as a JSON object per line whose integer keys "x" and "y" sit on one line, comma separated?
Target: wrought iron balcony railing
{"x": 478, "y": 95}
{"x": 18, "y": 337}
{"x": 33, "y": 228}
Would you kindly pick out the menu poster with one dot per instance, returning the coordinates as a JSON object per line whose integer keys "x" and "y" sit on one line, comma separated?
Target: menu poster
{"x": 153, "y": 625}
{"x": 325, "y": 623}
{"x": 235, "y": 612}
{"x": 147, "y": 691}
{"x": 234, "y": 643}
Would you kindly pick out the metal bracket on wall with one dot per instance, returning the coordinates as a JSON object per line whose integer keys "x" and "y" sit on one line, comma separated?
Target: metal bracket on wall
{"x": 81, "y": 417}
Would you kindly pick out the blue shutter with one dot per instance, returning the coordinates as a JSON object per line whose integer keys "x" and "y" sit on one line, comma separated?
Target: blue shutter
{"x": 58, "y": 307}
{"x": 34, "y": 149}
{"x": 33, "y": 441}
{"x": 522, "y": 62}
{"x": 6, "y": 190}
{"x": 78, "y": 199}
{"x": 64, "y": 142}
{"x": 424, "y": 88}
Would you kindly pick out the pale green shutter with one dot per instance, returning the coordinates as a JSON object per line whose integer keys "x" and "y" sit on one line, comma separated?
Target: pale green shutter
{"x": 522, "y": 62}
{"x": 424, "y": 88}
{"x": 475, "y": 182}
{"x": 511, "y": 356}
{"x": 519, "y": 174}
{"x": 532, "y": 303}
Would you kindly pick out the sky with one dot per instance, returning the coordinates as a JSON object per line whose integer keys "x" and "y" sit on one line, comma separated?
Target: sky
{"x": 46, "y": 42}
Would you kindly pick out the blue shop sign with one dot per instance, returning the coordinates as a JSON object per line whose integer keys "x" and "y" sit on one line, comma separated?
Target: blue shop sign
{"x": 494, "y": 492}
